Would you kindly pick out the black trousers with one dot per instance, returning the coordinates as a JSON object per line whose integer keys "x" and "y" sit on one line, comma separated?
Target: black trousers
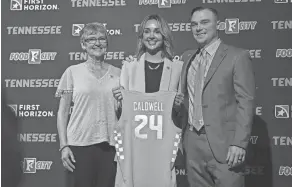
{"x": 94, "y": 166}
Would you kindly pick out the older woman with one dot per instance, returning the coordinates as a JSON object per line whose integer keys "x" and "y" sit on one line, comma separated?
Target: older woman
{"x": 86, "y": 142}
{"x": 154, "y": 68}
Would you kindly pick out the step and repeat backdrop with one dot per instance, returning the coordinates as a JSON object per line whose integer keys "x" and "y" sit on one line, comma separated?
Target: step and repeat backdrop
{"x": 40, "y": 39}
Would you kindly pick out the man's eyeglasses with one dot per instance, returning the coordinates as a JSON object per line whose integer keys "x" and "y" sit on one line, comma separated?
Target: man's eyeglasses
{"x": 93, "y": 40}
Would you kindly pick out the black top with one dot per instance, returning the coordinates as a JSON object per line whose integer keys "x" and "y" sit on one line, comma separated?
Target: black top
{"x": 153, "y": 73}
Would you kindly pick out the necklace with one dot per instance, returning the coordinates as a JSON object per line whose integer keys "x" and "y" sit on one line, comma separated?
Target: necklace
{"x": 154, "y": 67}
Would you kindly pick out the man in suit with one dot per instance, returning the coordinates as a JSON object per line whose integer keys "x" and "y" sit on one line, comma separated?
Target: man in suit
{"x": 219, "y": 88}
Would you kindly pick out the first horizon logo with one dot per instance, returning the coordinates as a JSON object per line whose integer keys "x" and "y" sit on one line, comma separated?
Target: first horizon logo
{"x": 30, "y": 110}
{"x": 31, "y": 5}
{"x": 282, "y": 111}
{"x": 76, "y": 29}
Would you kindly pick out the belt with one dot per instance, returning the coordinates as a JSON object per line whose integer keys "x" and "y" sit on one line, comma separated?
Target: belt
{"x": 193, "y": 129}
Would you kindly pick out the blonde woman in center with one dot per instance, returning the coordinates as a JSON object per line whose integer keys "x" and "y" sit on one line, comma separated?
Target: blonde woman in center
{"x": 153, "y": 69}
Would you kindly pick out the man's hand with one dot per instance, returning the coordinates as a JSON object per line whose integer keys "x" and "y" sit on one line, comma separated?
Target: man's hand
{"x": 117, "y": 93}
{"x": 129, "y": 59}
{"x": 235, "y": 156}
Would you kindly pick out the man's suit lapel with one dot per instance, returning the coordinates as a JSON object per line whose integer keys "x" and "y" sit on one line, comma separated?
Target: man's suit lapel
{"x": 166, "y": 75}
{"x": 218, "y": 58}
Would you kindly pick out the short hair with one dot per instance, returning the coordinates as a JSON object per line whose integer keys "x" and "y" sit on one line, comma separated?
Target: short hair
{"x": 213, "y": 10}
{"x": 167, "y": 50}
{"x": 93, "y": 28}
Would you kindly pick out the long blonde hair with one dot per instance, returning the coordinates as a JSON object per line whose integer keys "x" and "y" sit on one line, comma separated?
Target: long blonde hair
{"x": 167, "y": 48}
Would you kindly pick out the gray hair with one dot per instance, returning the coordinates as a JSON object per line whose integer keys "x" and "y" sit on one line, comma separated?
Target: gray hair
{"x": 93, "y": 28}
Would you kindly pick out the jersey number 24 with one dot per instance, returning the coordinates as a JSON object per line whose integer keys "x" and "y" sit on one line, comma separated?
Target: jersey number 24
{"x": 149, "y": 120}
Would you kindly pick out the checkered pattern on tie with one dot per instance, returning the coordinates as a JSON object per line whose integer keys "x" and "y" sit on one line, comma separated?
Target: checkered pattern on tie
{"x": 119, "y": 145}
{"x": 176, "y": 145}
{"x": 198, "y": 121}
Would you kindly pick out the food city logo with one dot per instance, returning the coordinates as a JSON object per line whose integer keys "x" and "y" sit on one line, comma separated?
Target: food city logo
{"x": 162, "y": 3}
{"x": 231, "y": 1}
{"x": 31, "y": 165}
{"x": 281, "y": 25}
{"x": 283, "y": 111}
{"x": 30, "y": 110}
{"x": 282, "y": 140}
{"x": 32, "y": 5}
{"x": 234, "y": 26}
{"x": 285, "y": 170}
{"x": 98, "y": 3}
{"x": 281, "y": 82}
{"x": 283, "y": 53}
{"x": 34, "y": 30}
{"x": 282, "y": 1}
{"x": 82, "y": 56}
{"x": 33, "y": 56}
{"x": 174, "y": 27}
{"x": 37, "y": 137}
{"x": 76, "y": 28}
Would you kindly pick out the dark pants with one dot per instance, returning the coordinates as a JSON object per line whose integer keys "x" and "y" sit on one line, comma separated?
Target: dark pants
{"x": 94, "y": 167}
{"x": 202, "y": 168}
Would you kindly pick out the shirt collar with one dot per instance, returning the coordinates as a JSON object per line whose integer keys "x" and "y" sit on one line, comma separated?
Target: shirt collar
{"x": 212, "y": 48}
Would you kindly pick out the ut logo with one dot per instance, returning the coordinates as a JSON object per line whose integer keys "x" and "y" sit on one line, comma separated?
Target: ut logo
{"x": 29, "y": 165}
{"x": 34, "y": 56}
{"x": 15, "y": 4}
{"x": 76, "y": 28}
{"x": 282, "y": 111}
{"x": 164, "y": 4}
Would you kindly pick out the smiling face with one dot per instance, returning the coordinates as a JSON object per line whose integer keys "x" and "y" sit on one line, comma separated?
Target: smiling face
{"x": 95, "y": 44}
{"x": 204, "y": 27}
{"x": 152, "y": 37}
